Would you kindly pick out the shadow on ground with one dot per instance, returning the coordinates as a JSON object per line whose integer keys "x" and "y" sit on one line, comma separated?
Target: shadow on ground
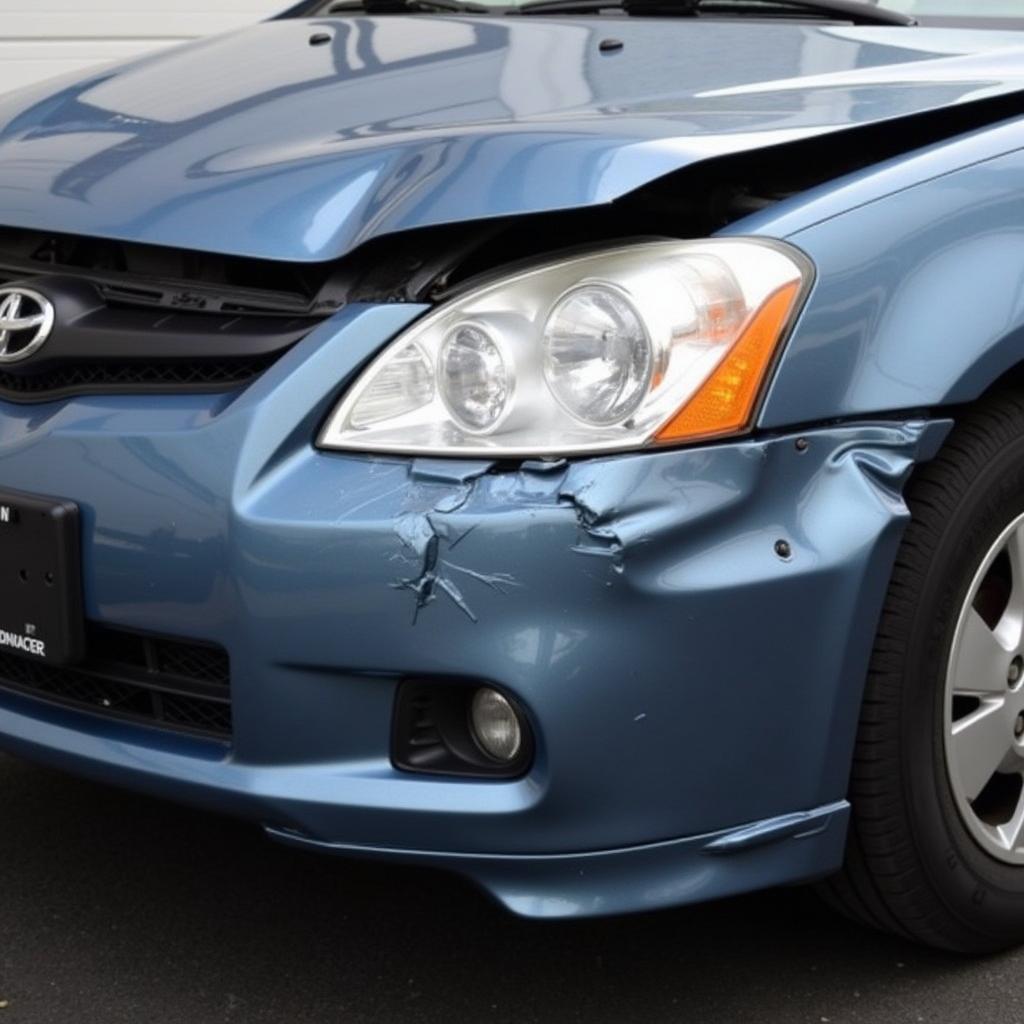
{"x": 117, "y": 908}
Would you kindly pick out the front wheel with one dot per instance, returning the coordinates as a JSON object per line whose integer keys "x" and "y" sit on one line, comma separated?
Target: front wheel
{"x": 936, "y": 846}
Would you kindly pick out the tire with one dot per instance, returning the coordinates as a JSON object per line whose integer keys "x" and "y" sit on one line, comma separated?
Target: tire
{"x": 923, "y": 860}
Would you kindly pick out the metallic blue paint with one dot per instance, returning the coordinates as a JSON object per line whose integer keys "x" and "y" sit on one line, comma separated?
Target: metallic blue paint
{"x": 694, "y": 695}
{"x": 217, "y": 519}
{"x": 301, "y": 153}
{"x": 920, "y": 294}
{"x": 667, "y": 874}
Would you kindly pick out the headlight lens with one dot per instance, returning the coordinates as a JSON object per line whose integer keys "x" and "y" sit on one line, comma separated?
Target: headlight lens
{"x": 597, "y": 356}
{"x": 653, "y": 343}
{"x": 476, "y": 383}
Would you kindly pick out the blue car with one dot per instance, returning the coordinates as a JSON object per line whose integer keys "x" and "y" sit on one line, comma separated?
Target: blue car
{"x": 576, "y": 444}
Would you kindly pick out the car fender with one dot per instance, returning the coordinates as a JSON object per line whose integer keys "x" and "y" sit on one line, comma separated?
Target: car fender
{"x": 919, "y": 297}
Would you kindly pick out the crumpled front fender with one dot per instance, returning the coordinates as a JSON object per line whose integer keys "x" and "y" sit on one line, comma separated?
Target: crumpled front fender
{"x": 688, "y": 629}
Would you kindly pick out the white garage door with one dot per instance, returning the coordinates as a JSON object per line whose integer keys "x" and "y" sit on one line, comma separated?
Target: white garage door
{"x": 41, "y": 38}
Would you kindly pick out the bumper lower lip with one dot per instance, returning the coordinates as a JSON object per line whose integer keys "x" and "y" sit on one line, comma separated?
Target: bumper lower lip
{"x": 782, "y": 850}
{"x": 680, "y": 677}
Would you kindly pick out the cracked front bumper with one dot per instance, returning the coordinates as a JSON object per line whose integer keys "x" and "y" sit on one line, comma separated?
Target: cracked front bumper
{"x": 693, "y": 694}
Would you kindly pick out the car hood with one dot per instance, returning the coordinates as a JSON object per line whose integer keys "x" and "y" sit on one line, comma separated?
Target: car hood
{"x": 260, "y": 143}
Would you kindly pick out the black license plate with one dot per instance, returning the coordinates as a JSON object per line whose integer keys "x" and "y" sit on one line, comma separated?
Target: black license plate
{"x": 41, "y": 615}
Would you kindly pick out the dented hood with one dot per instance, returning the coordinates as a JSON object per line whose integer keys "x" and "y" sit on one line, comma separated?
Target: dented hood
{"x": 260, "y": 143}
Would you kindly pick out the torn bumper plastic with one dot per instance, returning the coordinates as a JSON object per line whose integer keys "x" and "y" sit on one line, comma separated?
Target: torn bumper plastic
{"x": 692, "y": 683}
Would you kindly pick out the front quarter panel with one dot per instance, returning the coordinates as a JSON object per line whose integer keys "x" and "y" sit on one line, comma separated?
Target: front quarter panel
{"x": 919, "y": 300}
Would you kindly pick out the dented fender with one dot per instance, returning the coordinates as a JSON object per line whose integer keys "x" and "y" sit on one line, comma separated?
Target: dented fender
{"x": 688, "y": 630}
{"x": 657, "y": 614}
{"x": 668, "y": 619}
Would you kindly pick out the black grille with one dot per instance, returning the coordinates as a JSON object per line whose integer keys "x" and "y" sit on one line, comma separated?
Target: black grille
{"x": 200, "y": 375}
{"x": 171, "y": 684}
{"x": 137, "y": 319}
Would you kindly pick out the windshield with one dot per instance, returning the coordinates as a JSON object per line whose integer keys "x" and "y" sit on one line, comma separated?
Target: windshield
{"x": 966, "y": 13}
{"x": 995, "y": 14}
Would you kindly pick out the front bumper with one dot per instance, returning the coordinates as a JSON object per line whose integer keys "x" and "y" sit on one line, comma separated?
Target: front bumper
{"x": 694, "y": 695}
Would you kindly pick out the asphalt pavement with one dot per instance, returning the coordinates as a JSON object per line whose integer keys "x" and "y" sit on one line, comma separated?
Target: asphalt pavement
{"x": 116, "y": 908}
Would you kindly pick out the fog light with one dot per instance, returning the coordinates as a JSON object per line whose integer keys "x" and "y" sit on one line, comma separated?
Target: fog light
{"x": 496, "y": 725}
{"x": 452, "y": 727}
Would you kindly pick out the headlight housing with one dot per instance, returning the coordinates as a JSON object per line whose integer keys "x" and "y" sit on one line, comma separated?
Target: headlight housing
{"x": 645, "y": 344}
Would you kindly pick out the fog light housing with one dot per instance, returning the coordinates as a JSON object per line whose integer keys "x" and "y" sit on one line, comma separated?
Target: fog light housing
{"x": 459, "y": 727}
{"x": 495, "y": 725}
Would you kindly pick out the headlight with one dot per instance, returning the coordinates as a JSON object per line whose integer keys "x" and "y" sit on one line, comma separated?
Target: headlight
{"x": 647, "y": 344}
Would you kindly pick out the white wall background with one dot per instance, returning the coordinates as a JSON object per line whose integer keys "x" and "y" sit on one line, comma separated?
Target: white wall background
{"x": 42, "y": 38}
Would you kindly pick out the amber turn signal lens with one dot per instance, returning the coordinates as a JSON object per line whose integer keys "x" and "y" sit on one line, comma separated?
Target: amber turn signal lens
{"x": 725, "y": 403}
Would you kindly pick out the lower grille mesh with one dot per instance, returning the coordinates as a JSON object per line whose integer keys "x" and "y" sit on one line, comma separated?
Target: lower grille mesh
{"x": 172, "y": 684}
{"x": 198, "y": 375}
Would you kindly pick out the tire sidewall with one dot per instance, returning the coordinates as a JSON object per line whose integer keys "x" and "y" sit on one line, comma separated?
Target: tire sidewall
{"x": 986, "y": 894}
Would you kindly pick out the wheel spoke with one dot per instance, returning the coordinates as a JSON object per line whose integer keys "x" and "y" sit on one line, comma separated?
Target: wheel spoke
{"x": 1010, "y": 627}
{"x": 1011, "y": 832}
{"x": 981, "y": 661}
{"x": 979, "y": 744}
